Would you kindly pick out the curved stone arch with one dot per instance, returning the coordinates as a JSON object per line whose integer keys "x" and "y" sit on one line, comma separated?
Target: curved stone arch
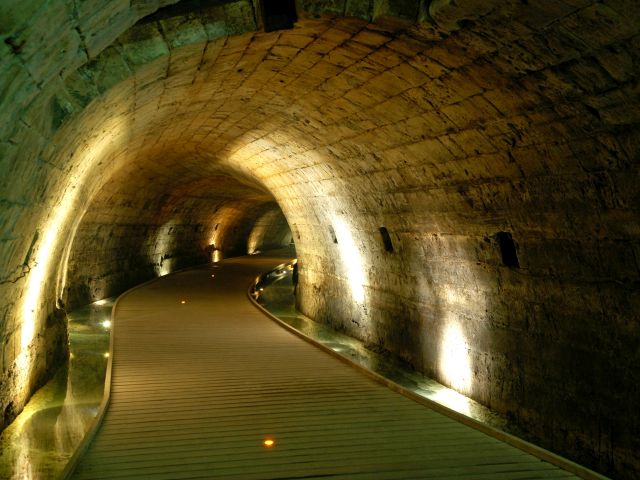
{"x": 75, "y": 148}
{"x": 520, "y": 120}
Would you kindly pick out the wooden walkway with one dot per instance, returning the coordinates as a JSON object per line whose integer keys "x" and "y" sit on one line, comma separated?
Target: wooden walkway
{"x": 197, "y": 388}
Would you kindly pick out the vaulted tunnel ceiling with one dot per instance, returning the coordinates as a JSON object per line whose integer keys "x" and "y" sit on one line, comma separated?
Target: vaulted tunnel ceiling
{"x": 455, "y": 128}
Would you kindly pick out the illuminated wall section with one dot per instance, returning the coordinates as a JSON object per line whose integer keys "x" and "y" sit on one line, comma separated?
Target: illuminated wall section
{"x": 168, "y": 227}
{"x": 455, "y": 128}
{"x": 270, "y": 231}
{"x": 37, "y": 343}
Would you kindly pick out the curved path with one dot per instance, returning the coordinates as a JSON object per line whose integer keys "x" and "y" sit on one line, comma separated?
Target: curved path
{"x": 197, "y": 387}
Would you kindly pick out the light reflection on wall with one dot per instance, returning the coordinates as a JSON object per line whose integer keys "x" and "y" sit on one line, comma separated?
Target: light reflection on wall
{"x": 63, "y": 268}
{"x": 456, "y": 359}
{"x": 222, "y": 223}
{"x": 270, "y": 230}
{"x": 164, "y": 243}
{"x": 453, "y": 400}
{"x": 165, "y": 267}
{"x": 23, "y": 362}
{"x": 455, "y": 365}
{"x": 25, "y": 470}
{"x": 38, "y": 443}
{"x": 351, "y": 259}
{"x": 252, "y": 242}
{"x": 49, "y": 254}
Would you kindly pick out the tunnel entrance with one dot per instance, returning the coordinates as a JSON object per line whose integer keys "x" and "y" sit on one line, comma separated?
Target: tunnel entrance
{"x": 180, "y": 221}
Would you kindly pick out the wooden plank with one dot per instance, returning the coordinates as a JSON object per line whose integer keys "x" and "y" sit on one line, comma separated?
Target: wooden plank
{"x": 197, "y": 387}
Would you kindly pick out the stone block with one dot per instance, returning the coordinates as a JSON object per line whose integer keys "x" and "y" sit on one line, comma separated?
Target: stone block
{"x": 360, "y": 9}
{"x": 17, "y": 90}
{"x": 54, "y": 45}
{"x": 396, "y": 10}
{"x": 415, "y": 77}
{"x": 599, "y": 25}
{"x": 508, "y": 102}
{"x": 449, "y": 56}
{"x": 452, "y": 15}
{"x": 478, "y": 44}
{"x": 81, "y": 87}
{"x": 588, "y": 76}
{"x": 619, "y": 261}
{"x": 8, "y": 154}
{"x": 143, "y": 44}
{"x": 181, "y": 31}
{"x": 347, "y": 54}
{"x": 538, "y": 14}
{"x": 16, "y": 15}
{"x": 334, "y": 7}
{"x": 100, "y": 27}
{"x": 464, "y": 114}
{"x": 618, "y": 63}
{"x": 108, "y": 69}
{"x": 142, "y": 8}
{"x": 375, "y": 60}
{"x": 214, "y": 22}
{"x": 239, "y": 17}
{"x": 183, "y": 63}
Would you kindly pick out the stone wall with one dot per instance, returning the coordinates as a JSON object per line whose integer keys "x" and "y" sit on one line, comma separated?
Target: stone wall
{"x": 56, "y": 154}
{"x": 495, "y": 142}
{"x": 270, "y": 231}
{"x": 127, "y": 239}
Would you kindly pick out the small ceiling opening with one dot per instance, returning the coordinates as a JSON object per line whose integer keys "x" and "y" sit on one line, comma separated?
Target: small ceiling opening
{"x": 278, "y": 14}
{"x": 332, "y": 233}
{"x": 508, "y": 250}
{"x": 386, "y": 239}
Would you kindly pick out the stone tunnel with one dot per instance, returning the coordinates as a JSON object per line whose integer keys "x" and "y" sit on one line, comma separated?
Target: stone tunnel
{"x": 456, "y": 177}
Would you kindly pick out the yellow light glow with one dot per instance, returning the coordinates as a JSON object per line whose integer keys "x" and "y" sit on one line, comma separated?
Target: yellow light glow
{"x": 105, "y": 354}
{"x": 24, "y": 462}
{"x": 64, "y": 262}
{"x": 260, "y": 230}
{"x": 51, "y": 250}
{"x": 452, "y": 297}
{"x": 216, "y": 256}
{"x": 106, "y": 324}
{"x": 269, "y": 443}
{"x": 165, "y": 243}
{"x": 454, "y": 359}
{"x": 23, "y": 371}
{"x": 351, "y": 258}
{"x": 183, "y": 302}
{"x": 100, "y": 302}
{"x": 42, "y": 268}
{"x": 453, "y": 400}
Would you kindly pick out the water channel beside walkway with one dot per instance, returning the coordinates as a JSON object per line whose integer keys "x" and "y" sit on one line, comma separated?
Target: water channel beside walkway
{"x": 206, "y": 386}
{"x": 202, "y": 382}
{"x": 41, "y": 440}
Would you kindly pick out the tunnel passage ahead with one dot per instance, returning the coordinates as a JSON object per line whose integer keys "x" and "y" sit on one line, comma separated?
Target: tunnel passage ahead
{"x": 211, "y": 388}
{"x": 495, "y": 143}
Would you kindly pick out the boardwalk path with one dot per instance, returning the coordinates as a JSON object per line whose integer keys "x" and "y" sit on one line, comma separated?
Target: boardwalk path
{"x": 197, "y": 387}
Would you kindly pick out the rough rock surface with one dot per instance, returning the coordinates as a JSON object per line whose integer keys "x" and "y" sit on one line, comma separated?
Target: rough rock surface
{"x": 497, "y": 143}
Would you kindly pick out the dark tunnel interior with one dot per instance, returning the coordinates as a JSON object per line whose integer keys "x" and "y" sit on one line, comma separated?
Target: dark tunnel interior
{"x": 459, "y": 178}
